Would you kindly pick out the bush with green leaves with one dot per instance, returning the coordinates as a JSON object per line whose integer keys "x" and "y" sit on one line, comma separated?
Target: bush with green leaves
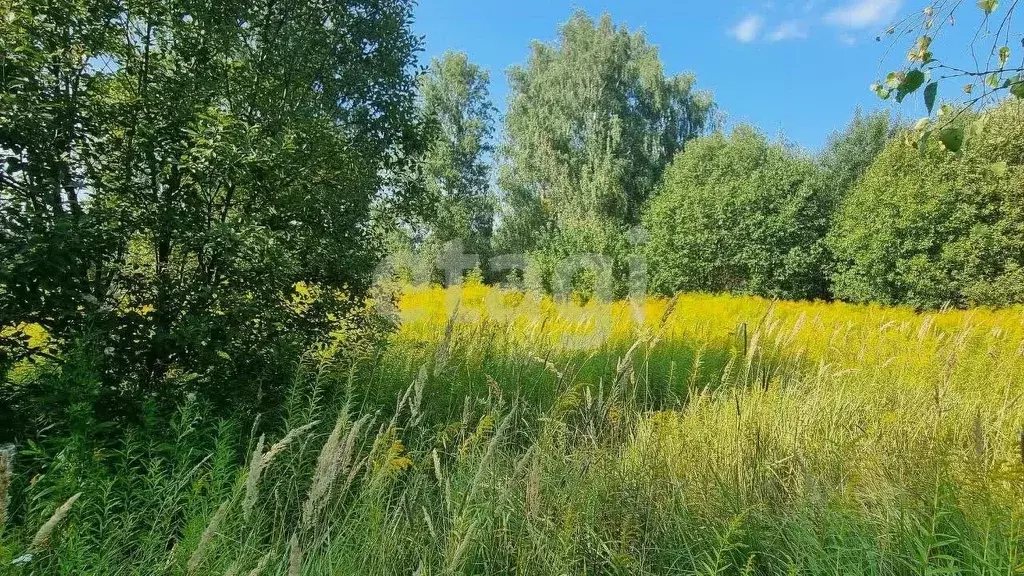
{"x": 739, "y": 214}
{"x": 928, "y": 228}
{"x": 588, "y": 259}
{"x": 180, "y": 182}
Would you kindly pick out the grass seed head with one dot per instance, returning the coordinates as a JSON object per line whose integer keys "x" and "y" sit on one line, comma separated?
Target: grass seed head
{"x": 283, "y": 443}
{"x": 327, "y": 468}
{"x": 196, "y": 560}
{"x": 43, "y": 536}
{"x": 6, "y": 473}
{"x": 252, "y": 479}
{"x": 294, "y": 556}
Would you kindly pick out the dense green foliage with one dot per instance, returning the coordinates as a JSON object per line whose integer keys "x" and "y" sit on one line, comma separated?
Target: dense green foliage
{"x": 929, "y": 228}
{"x": 851, "y": 151}
{"x": 739, "y": 214}
{"x": 171, "y": 173}
{"x": 592, "y": 122}
{"x": 456, "y": 171}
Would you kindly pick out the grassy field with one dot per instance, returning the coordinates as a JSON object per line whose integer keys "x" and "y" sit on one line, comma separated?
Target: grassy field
{"x": 500, "y": 433}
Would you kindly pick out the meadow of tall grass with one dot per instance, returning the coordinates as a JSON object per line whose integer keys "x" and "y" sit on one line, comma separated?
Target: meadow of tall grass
{"x": 502, "y": 433}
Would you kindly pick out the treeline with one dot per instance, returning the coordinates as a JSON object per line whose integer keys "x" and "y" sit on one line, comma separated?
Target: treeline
{"x": 601, "y": 153}
{"x": 878, "y": 217}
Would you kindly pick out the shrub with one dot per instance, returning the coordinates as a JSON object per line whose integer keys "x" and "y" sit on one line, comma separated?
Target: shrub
{"x": 929, "y": 228}
{"x": 740, "y": 214}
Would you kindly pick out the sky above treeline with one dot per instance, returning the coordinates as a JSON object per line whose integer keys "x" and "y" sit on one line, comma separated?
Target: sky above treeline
{"x": 793, "y": 68}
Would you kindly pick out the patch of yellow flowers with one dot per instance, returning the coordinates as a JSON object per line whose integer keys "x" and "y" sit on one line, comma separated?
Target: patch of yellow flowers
{"x": 856, "y": 404}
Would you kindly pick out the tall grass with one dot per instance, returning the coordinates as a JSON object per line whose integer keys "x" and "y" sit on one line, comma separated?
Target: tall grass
{"x": 702, "y": 435}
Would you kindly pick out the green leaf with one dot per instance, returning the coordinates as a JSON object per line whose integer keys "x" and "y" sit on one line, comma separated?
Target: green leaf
{"x": 952, "y": 137}
{"x": 881, "y": 91}
{"x": 988, "y": 6}
{"x": 992, "y": 81}
{"x": 1004, "y": 56}
{"x": 1017, "y": 88}
{"x": 911, "y": 82}
{"x": 930, "y": 93}
{"x": 998, "y": 168}
{"x": 922, "y": 142}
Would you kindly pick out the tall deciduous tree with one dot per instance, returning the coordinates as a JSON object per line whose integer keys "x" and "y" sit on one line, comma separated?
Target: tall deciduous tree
{"x": 179, "y": 176}
{"x": 851, "y": 151}
{"x": 592, "y": 122}
{"x": 456, "y": 167}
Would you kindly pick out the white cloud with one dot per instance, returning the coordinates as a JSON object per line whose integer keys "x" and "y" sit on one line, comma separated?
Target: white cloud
{"x": 789, "y": 30}
{"x": 847, "y": 39}
{"x": 863, "y": 13}
{"x": 747, "y": 29}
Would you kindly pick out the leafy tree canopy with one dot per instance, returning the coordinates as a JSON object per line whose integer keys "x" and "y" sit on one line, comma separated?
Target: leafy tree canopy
{"x": 180, "y": 180}
{"x": 739, "y": 214}
{"x": 929, "y": 228}
{"x": 593, "y": 121}
{"x": 456, "y": 167}
{"x": 851, "y": 151}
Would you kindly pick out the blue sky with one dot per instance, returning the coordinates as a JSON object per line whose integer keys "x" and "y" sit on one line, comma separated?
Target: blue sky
{"x": 796, "y": 68}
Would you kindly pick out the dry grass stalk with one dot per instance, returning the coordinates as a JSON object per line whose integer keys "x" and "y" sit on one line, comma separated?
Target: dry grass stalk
{"x": 294, "y": 557}
{"x": 252, "y": 479}
{"x": 430, "y": 523}
{"x": 455, "y": 563}
{"x": 417, "y": 399}
{"x": 485, "y": 462}
{"x": 533, "y": 488}
{"x": 283, "y": 443}
{"x": 467, "y": 412}
{"x": 261, "y": 565}
{"x": 1022, "y": 446}
{"x": 335, "y": 458}
{"x": 349, "y": 452}
{"x": 550, "y": 367}
{"x": 6, "y": 472}
{"x": 260, "y": 461}
{"x": 208, "y": 534}
{"x": 444, "y": 348}
{"x": 978, "y": 434}
{"x": 663, "y": 321}
{"x": 437, "y": 466}
{"x": 42, "y": 537}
